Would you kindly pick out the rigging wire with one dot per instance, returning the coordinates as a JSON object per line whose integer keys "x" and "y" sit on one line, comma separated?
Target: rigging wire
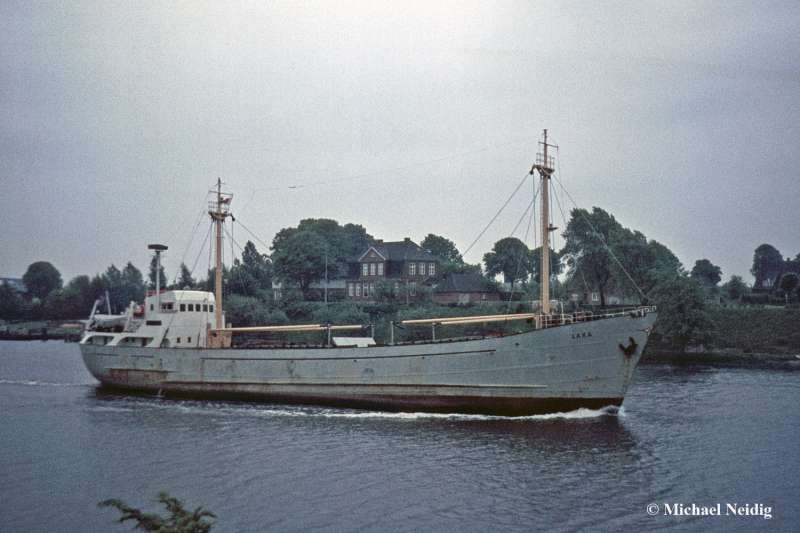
{"x": 495, "y": 216}
{"x": 599, "y": 235}
{"x": 253, "y": 234}
{"x": 202, "y": 247}
{"x": 521, "y": 256}
{"x": 238, "y": 271}
{"x": 188, "y": 246}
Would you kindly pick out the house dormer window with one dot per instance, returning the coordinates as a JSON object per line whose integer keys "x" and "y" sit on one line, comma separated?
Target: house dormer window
{"x": 380, "y": 269}
{"x": 412, "y": 269}
{"x": 422, "y": 269}
{"x": 372, "y": 269}
{"x": 364, "y": 269}
{"x": 431, "y": 269}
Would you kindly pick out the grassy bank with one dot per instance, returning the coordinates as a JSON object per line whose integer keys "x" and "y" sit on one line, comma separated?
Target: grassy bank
{"x": 744, "y": 331}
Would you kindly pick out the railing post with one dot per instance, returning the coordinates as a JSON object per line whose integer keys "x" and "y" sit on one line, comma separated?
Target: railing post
{"x": 328, "y": 327}
{"x": 391, "y": 333}
{"x": 433, "y": 331}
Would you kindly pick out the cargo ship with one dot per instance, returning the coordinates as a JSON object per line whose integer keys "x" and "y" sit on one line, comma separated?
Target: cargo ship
{"x": 178, "y": 344}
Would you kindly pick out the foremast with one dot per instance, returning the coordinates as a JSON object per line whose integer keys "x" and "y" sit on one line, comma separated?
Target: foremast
{"x": 544, "y": 165}
{"x": 218, "y": 210}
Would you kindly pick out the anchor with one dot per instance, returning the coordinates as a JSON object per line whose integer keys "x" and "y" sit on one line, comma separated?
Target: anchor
{"x": 630, "y": 349}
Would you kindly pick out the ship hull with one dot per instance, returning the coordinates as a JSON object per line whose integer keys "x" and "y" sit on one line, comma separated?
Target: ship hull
{"x": 541, "y": 371}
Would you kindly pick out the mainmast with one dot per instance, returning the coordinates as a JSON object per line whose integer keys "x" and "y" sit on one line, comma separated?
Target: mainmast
{"x": 544, "y": 165}
{"x": 219, "y": 210}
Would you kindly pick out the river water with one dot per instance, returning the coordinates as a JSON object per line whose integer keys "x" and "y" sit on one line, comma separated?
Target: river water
{"x": 688, "y": 434}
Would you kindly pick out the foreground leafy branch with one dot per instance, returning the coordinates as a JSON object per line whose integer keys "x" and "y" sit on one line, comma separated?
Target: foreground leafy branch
{"x": 179, "y": 520}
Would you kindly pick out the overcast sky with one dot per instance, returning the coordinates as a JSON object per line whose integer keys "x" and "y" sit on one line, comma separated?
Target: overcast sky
{"x": 680, "y": 118}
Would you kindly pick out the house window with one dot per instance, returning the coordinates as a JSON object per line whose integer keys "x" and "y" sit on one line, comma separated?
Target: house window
{"x": 380, "y": 269}
{"x": 351, "y": 290}
{"x": 205, "y": 307}
{"x": 191, "y": 307}
{"x": 189, "y": 340}
{"x": 151, "y": 307}
{"x": 364, "y": 269}
{"x": 178, "y": 341}
{"x": 412, "y": 288}
{"x": 183, "y": 307}
{"x": 431, "y": 269}
{"x": 358, "y": 290}
{"x": 396, "y": 287}
{"x": 412, "y": 269}
{"x": 595, "y": 297}
{"x": 422, "y": 269}
{"x": 372, "y": 288}
{"x": 366, "y": 290}
{"x": 211, "y": 308}
{"x": 372, "y": 269}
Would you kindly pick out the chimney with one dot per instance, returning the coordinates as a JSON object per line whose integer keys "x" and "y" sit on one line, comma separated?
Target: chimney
{"x": 378, "y": 241}
{"x": 407, "y": 240}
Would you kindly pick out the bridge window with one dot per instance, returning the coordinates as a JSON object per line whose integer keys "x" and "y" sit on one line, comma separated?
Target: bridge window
{"x": 183, "y": 307}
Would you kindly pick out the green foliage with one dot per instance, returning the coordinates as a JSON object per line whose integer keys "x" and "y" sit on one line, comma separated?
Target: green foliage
{"x": 735, "y": 288}
{"x": 339, "y": 313}
{"x": 300, "y": 259}
{"x": 41, "y": 278}
{"x": 592, "y": 238}
{"x": 244, "y": 311}
{"x": 536, "y": 264}
{"x": 756, "y": 329}
{"x": 179, "y": 520}
{"x": 123, "y": 287}
{"x": 185, "y": 279}
{"x": 788, "y": 284}
{"x": 340, "y": 243}
{"x": 253, "y": 274}
{"x": 162, "y": 277}
{"x": 706, "y": 272}
{"x": 450, "y": 260}
{"x": 682, "y": 319}
{"x": 509, "y": 257}
{"x": 11, "y": 305}
{"x": 766, "y": 259}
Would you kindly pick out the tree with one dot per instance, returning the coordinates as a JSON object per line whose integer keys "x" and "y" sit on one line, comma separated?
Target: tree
{"x": 681, "y": 305}
{"x": 442, "y": 248}
{"x": 706, "y": 272}
{"x": 78, "y": 297}
{"x": 536, "y": 264}
{"x": 10, "y": 303}
{"x": 451, "y": 261}
{"x": 766, "y": 260}
{"x": 510, "y": 257}
{"x": 301, "y": 259}
{"x": 185, "y": 279}
{"x": 133, "y": 287}
{"x": 788, "y": 284}
{"x": 342, "y": 242}
{"x": 152, "y": 276}
{"x": 41, "y": 278}
{"x": 589, "y": 237}
{"x": 179, "y": 519}
{"x": 257, "y": 266}
{"x": 735, "y": 288}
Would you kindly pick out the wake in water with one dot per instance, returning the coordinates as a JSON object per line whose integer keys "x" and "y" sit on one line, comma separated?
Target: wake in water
{"x": 35, "y": 383}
